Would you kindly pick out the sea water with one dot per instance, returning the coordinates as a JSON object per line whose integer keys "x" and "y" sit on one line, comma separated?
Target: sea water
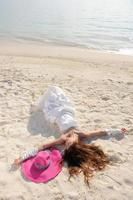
{"x": 95, "y": 24}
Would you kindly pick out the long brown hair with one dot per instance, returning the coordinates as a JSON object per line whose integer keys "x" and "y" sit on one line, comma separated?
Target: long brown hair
{"x": 85, "y": 158}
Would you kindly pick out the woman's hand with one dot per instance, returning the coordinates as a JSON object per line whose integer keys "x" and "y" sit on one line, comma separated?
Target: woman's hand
{"x": 63, "y": 138}
{"x": 17, "y": 162}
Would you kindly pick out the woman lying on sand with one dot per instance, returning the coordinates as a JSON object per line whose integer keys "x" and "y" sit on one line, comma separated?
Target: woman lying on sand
{"x": 80, "y": 157}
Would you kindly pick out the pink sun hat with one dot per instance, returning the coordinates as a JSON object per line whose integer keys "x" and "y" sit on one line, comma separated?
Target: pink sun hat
{"x": 43, "y": 167}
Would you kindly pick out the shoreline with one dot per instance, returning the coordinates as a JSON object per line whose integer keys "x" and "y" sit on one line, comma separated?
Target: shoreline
{"x": 20, "y": 42}
{"x": 48, "y": 50}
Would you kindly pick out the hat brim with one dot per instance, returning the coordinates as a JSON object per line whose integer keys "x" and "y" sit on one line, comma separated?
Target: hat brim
{"x": 42, "y": 176}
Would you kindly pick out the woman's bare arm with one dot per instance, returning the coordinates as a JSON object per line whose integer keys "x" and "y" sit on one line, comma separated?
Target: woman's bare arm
{"x": 90, "y": 134}
{"x": 46, "y": 145}
{"x": 99, "y": 133}
{"x": 58, "y": 141}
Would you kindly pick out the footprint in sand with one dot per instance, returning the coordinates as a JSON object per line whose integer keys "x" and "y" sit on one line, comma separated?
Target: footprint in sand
{"x": 129, "y": 83}
{"x": 105, "y": 98}
{"x": 128, "y": 121}
{"x": 3, "y": 123}
{"x": 117, "y": 158}
{"x": 128, "y": 182}
{"x": 97, "y": 120}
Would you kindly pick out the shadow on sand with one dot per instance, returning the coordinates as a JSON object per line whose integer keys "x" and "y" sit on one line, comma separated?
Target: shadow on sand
{"x": 37, "y": 124}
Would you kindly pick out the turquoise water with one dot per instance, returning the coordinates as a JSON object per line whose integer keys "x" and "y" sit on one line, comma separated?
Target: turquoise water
{"x": 97, "y": 24}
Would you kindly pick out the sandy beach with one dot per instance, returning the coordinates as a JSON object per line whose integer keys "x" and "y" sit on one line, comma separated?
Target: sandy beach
{"x": 99, "y": 84}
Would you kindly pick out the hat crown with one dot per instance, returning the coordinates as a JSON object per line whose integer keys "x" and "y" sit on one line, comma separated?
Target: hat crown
{"x": 42, "y": 162}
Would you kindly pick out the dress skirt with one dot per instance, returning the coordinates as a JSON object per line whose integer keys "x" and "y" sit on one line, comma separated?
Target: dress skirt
{"x": 57, "y": 108}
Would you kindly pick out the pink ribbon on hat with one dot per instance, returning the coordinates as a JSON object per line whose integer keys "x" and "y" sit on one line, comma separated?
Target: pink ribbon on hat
{"x": 41, "y": 164}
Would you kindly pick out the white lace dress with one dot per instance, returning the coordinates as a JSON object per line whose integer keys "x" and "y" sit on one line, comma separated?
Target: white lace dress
{"x": 57, "y": 108}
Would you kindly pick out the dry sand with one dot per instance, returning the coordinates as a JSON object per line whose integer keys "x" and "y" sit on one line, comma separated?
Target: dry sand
{"x": 100, "y": 86}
